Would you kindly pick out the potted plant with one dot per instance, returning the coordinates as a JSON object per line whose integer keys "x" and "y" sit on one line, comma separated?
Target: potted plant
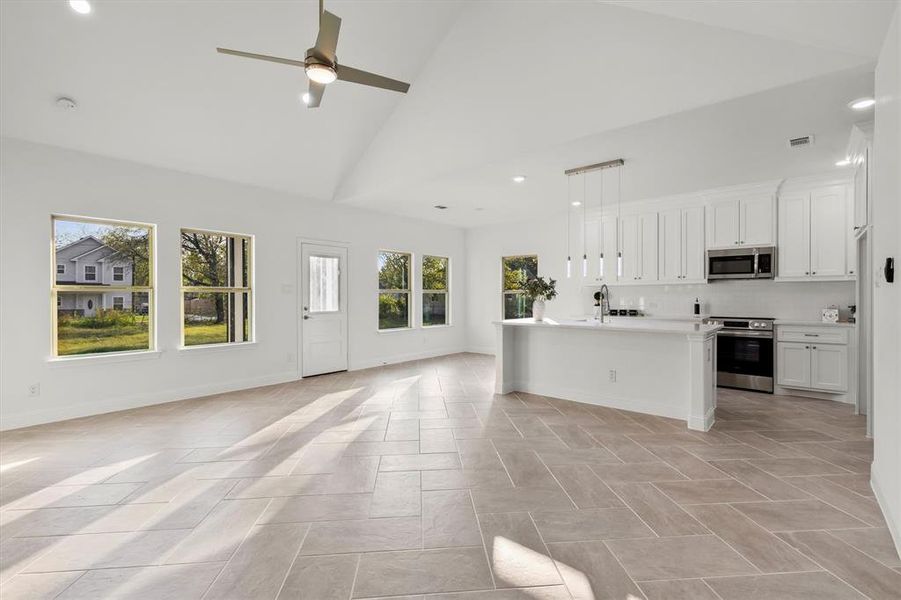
{"x": 537, "y": 290}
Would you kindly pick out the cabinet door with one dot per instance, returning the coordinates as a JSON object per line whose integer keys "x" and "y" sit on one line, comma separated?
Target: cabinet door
{"x": 757, "y": 219}
{"x": 793, "y": 364}
{"x": 630, "y": 246}
{"x": 648, "y": 224}
{"x": 592, "y": 251}
{"x": 670, "y": 245}
{"x": 794, "y": 236}
{"x": 722, "y": 224}
{"x": 829, "y": 368}
{"x": 693, "y": 257}
{"x": 609, "y": 244}
{"x": 860, "y": 191}
{"x": 828, "y": 236}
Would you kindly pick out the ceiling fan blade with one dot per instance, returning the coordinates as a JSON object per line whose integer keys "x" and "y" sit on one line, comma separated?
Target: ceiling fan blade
{"x": 315, "y": 93}
{"x": 364, "y": 77}
{"x": 327, "y": 40}
{"x": 266, "y": 57}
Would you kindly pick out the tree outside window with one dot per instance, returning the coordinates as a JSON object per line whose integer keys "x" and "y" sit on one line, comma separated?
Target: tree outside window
{"x": 435, "y": 291}
{"x": 394, "y": 289}
{"x": 516, "y": 270}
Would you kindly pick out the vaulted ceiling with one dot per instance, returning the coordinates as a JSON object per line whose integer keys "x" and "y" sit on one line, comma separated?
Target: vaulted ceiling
{"x": 499, "y": 88}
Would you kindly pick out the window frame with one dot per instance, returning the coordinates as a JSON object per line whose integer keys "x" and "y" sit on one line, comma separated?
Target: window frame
{"x": 122, "y": 278}
{"x": 446, "y": 291}
{"x": 121, "y": 301}
{"x": 56, "y": 288}
{"x": 85, "y": 272}
{"x": 408, "y": 291}
{"x": 60, "y": 266}
{"x": 183, "y": 289}
{"x": 504, "y": 291}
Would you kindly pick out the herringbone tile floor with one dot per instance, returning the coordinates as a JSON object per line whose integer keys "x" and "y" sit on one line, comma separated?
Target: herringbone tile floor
{"x": 416, "y": 481}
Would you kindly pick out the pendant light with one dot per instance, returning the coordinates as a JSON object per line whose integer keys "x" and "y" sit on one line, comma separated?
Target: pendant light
{"x": 584, "y": 227}
{"x": 619, "y": 214}
{"x": 601, "y": 230}
{"x": 569, "y": 265}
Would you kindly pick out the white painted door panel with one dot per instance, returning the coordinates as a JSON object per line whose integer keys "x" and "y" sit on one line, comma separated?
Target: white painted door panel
{"x": 757, "y": 215}
{"x": 793, "y": 364}
{"x": 693, "y": 255}
{"x": 648, "y": 224}
{"x": 670, "y": 246}
{"x": 828, "y": 236}
{"x": 794, "y": 236}
{"x": 630, "y": 246}
{"x": 829, "y": 368}
{"x": 723, "y": 224}
{"x": 323, "y": 308}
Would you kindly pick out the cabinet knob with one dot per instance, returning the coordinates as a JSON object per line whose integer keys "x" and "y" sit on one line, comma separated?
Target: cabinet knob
{"x": 851, "y": 272}
{"x": 814, "y": 273}
{"x": 807, "y": 347}
{"x": 814, "y": 347}
{"x": 806, "y": 272}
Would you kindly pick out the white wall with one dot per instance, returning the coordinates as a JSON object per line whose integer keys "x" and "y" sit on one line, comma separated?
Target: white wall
{"x": 485, "y": 246}
{"x": 886, "y": 219}
{"x": 36, "y": 181}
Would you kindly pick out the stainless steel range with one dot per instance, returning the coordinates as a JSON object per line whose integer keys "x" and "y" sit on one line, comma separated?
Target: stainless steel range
{"x": 744, "y": 353}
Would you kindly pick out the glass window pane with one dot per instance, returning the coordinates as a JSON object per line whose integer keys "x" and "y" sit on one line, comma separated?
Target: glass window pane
{"x": 394, "y": 310}
{"x": 94, "y": 249}
{"x": 394, "y": 271}
{"x": 516, "y": 306}
{"x": 324, "y": 283}
{"x": 216, "y": 318}
{"x": 434, "y": 273}
{"x": 93, "y": 322}
{"x": 434, "y": 309}
{"x": 519, "y": 269}
{"x": 205, "y": 259}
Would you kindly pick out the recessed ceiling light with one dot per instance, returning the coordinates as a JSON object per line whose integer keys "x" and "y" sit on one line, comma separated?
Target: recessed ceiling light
{"x": 861, "y": 103}
{"x": 305, "y": 97}
{"x": 843, "y": 163}
{"x": 519, "y": 178}
{"x": 576, "y": 203}
{"x": 82, "y": 7}
{"x": 440, "y": 207}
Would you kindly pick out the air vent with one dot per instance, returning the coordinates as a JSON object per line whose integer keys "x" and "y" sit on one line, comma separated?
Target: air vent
{"x": 800, "y": 142}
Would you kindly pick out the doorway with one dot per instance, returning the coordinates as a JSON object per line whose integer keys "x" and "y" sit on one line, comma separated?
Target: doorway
{"x": 323, "y": 324}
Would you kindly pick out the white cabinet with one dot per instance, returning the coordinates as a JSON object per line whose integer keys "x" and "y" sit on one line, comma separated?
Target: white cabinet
{"x": 812, "y": 358}
{"x": 638, "y": 244}
{"x": 813, "y": 234}
{"x": 681, "y": 245}
{"x": 747, "y": 221}
{"x": 648, "y": 225}
{"x": 793, "y": 364}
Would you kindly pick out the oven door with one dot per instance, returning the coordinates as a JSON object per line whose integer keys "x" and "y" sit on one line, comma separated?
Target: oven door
{"x": 731, "y": 266}
{"x": 744, "y": 359}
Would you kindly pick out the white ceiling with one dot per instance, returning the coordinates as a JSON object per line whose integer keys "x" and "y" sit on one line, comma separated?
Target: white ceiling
{"x": 499, "y": 87}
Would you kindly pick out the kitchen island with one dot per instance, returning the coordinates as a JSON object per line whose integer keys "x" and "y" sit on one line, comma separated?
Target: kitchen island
{"x": 657, "y": 367}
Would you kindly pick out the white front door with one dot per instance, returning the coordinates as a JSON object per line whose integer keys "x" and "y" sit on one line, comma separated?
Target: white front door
{"x": 323, "y": 308}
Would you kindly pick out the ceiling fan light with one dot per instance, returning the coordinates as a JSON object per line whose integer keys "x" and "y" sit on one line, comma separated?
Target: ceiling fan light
{"x": 323, "y": 74}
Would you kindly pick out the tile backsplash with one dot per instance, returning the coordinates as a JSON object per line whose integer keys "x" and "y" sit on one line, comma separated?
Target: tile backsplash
{"x": 749, "y": 298}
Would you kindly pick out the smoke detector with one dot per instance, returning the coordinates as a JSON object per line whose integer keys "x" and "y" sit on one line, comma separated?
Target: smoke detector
{"x": 800, "y": 142}
{"x": 66, "y": 103}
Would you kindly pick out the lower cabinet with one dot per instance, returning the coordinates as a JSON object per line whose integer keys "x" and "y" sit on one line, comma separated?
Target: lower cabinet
{"x": 812, "y": 359}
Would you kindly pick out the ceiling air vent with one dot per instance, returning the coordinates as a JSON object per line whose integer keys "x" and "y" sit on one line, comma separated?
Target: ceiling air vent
{"x": 800, "y": 142}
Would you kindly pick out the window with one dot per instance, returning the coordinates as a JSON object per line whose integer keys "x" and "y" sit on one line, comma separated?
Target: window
{"x": 118, "y": 273}
{"x": 216, "y": 287}
{"x": 434, "y": 291}
{"x": 81, "y": 324}
{"x": 516, "y": 271}
{"x": 325, "y": 284}
{"x": 394, "y": 290}
{"x": 60, "y": 269}
{"x": 118, "y": 302}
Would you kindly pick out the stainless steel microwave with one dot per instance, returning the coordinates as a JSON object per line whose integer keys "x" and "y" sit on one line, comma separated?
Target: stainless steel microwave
{"x": 742, "y": 263}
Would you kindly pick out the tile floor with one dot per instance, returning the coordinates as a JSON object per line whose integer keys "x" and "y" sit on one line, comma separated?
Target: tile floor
{"x": 415, "y": 481}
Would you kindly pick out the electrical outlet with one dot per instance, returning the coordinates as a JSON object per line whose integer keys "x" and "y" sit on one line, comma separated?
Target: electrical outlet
{"x": 34, "y": 390}
{"x": 612, "y": 375}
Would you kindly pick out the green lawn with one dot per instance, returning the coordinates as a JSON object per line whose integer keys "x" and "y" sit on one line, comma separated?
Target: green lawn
{"x": 205, "y": 333}
{"x": 120, "y": 338}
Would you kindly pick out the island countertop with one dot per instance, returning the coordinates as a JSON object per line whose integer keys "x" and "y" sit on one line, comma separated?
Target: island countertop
{"x": 622, "y": 324}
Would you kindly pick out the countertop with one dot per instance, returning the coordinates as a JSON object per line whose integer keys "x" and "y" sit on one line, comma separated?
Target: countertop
{"x": 619, "y": 324}
{"x": 813, "y": 323}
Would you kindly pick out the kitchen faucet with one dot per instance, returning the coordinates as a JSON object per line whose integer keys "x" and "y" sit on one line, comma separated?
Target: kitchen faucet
{"x": 605, "y": 301}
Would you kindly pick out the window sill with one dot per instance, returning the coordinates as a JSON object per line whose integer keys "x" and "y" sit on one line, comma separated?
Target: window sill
{"x": 200, "y": 348}
{"x": 438, "y": 326}
{"x": 395, "y": 330}
{"x": 112, "y": 357}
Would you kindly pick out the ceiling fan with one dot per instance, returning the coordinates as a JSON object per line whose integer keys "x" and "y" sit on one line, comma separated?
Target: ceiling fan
{"x": 321, "y": 65}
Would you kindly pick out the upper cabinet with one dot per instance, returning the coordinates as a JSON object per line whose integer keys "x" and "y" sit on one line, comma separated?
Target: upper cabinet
{"x": 813, "y": 233}
{"x": 681, "y": 245}
{"x": 860, "y": 150}
{"x": 742, "y": 221}
{"x": 638, "y": 244}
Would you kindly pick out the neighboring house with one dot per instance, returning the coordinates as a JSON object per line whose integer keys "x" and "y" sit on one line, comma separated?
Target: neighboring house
{"x": 88, "y": 261}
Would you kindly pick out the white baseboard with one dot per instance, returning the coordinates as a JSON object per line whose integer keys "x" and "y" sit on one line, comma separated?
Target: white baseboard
{"x": 481, "y": 349}
{"x": 702, "y": 423}
{"x": 356, "y": 365}
{"x": 891, "y": 520}
{"x": 62, "y": 413}
{"x": 642, "y": 406}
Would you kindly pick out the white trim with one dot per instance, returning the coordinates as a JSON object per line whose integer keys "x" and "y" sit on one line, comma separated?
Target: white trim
{"x": 52, "y": 415}
{"x": 114, "y": 273}
{"x": 102, "y": 357}
{"x": 402, "y": 358}
{"x": 216, "y": 347}
{"x": 84, "y": 273}
{"x": 122, "y": 298}
{"x": 395, "y": 330}
{"x": 576, "y": 395}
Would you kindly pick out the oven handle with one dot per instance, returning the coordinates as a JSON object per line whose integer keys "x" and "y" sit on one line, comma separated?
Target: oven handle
{"x": 747, "y": 334}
